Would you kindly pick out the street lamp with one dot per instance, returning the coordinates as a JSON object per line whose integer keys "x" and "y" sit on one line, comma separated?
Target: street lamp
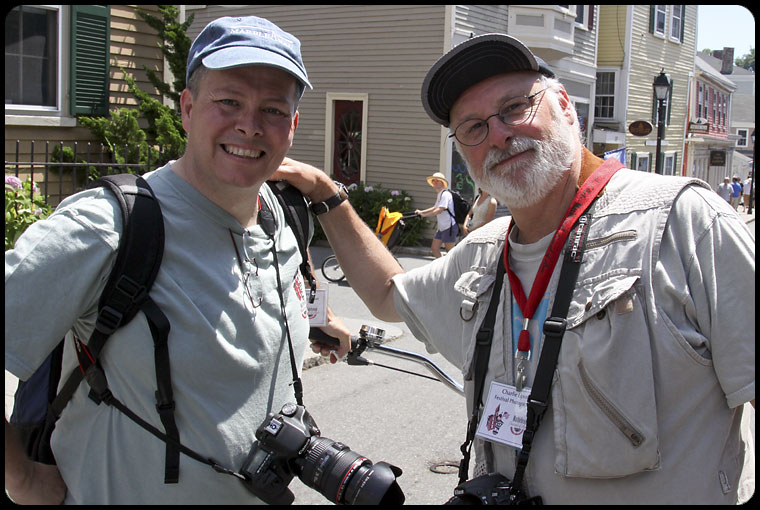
{"x": 752, "y": 182}
{"x": 662, "y": 85}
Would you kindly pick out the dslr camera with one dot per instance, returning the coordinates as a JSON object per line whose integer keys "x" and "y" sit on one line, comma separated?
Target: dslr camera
{"x": 289, "y": 444}
{"x": 491, "y": 489}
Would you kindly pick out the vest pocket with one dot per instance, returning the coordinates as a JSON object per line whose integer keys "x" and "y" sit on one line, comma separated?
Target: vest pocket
{"x": 603, "y": 399}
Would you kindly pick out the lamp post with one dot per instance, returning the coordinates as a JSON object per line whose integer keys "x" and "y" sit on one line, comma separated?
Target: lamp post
{"x": 752, "y": 182}
{"x": 662, "y": 85}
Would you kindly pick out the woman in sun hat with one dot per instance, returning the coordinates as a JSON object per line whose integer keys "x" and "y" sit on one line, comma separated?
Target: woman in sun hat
{"x": 444, "y": 210}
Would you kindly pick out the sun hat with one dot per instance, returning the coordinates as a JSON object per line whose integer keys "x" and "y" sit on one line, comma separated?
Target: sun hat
{"x": 240, "y": 41}
{"x": 471, "y": 62}
{"x": 439, "y": 176}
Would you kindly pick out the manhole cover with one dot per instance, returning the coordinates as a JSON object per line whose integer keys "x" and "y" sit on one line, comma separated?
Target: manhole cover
{"x": 445, "y": 468}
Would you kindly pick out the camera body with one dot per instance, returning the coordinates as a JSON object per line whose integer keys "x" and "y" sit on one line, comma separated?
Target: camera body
{"x": 288, "y": 444}
{"x": 491, "y": 489}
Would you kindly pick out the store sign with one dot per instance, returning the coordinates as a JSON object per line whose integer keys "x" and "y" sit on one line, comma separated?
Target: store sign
{"x": 640, "y": 128}
{"x": 717, "y": 158}
{"x": 698, "y": 128}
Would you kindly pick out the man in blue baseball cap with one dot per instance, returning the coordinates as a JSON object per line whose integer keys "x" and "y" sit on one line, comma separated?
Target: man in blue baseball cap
{"x": 232, "y": 292}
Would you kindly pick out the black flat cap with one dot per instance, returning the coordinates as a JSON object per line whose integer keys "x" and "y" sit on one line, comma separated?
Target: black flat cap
{"x": 471, "y": 62}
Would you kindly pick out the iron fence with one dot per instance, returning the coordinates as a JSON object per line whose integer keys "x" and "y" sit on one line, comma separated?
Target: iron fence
{"x": 71, "y": 166}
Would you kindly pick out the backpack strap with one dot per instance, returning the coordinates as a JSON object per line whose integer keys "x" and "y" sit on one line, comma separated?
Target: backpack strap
{"x": 297, "y": 215}
{"x": 137, "y": 263}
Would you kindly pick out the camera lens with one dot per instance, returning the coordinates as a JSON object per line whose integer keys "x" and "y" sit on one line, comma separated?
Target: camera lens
{"x": 345, "y": 477}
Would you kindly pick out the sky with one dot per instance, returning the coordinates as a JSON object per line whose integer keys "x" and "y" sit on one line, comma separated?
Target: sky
{"x": 731, "y": 26}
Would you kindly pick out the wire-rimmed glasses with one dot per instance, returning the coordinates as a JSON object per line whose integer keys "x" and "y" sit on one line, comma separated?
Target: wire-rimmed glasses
{"x": 248, "y": 282}
{"x": 513, "y": 112}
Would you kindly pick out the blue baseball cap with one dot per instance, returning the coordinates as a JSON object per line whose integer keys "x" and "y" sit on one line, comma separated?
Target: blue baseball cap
{"x": 242, "y": 41}
{"x": 471, "y": 62}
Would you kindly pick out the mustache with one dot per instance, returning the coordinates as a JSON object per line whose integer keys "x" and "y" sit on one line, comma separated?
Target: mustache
{"x": 518, "y": 145}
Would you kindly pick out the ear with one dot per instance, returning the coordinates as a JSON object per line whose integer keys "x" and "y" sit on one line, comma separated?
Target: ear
{"x": 185, "y": 107}
{"x": 566, "y": 104}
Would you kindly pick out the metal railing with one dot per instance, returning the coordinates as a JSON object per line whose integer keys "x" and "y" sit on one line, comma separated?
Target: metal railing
{"x": 59, "y": 179}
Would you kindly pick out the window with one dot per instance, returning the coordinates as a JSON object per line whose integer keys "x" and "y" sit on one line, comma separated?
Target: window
{"x": 658, "y": 19}
{"x": 669, "y": 163}
{"x": 676, "y": 22}
{"x": 700, "y": 101}
{"x": 604, "y": 106}
{"x": 642, "y": 161}
{"x": 31, "y": 57}
{"x": 742, "y": 141}
{"x": 715, "y": 106}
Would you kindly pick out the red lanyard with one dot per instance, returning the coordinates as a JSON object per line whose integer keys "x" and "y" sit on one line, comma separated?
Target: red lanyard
{"x": 582, "y": 200}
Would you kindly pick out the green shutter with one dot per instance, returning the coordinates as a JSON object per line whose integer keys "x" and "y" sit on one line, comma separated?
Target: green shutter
{"x": 652, "y": 11}
{"x": 90, "y": 56}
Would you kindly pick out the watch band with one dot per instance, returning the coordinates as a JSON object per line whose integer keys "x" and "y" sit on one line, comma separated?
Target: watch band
{"x": 332, "y": 202}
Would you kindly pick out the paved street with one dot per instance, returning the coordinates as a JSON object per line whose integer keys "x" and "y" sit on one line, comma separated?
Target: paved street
{"x": 414, "y": 423}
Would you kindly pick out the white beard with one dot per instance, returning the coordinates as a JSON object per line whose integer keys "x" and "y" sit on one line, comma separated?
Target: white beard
{"x": 519, "y": 187}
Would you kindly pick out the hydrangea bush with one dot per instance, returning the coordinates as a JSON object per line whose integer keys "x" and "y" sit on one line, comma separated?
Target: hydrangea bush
{"x": 23, "y": 206}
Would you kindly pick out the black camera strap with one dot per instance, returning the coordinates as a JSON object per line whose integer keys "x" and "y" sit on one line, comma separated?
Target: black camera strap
{"x": 553, "y": 329}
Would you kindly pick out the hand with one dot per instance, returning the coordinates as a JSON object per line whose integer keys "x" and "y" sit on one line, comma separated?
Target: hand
{"x": 337, "y": 329}
{"x": 310, "y": 181}
{"x": 42, "y": 485}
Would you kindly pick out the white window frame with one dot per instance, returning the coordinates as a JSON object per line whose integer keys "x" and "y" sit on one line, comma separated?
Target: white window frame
{"x": 673, "y": 18}
{"x": 743, "y": 134}
{"x": 669, "y": 158}
{"x": 660, "y": 10}
{"x": 49, "y": 116}
{"x": 643, "y": 156}
{"x": 615, "y": 73}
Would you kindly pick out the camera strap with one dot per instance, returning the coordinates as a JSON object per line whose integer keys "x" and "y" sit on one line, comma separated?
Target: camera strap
{"x": 266, "y": 220}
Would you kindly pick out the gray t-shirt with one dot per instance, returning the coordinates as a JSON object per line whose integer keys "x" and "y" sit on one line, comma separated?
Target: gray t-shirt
{"x": 229, "y": 361}
{"x": 646, "y": 402}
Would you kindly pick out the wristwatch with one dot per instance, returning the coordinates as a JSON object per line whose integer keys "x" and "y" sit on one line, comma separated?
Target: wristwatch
{"x": 332, "y": 202}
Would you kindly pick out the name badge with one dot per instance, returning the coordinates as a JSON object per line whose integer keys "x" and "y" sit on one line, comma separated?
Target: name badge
{"x": 318, "y": 309}
{"x": 504, "y": 415}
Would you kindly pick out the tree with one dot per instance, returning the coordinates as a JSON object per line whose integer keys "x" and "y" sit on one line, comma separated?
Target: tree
{"x": 747, "y": 61}
{"x": 120, "y": 132}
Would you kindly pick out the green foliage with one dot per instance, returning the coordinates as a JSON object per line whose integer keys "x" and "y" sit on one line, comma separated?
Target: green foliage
{"x": 23, "y": 206}
{"x": 367, "y": 200}
{"x": 121, "y": 132}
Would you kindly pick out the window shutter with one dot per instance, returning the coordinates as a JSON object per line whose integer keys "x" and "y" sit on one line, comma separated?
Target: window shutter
{"x": 652, "y": 13}
{"x": 90, "y": 56}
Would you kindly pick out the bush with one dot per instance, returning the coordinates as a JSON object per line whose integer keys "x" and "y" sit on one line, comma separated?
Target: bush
{"x": 22, "y": 208}
{"x": 367, "y": 200}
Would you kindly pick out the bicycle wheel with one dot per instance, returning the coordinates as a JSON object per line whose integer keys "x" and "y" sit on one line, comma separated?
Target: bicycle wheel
{"x": 331, "y": 270}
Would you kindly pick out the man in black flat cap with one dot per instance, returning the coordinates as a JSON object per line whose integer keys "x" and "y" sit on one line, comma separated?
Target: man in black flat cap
{"x": 646, "y": 401}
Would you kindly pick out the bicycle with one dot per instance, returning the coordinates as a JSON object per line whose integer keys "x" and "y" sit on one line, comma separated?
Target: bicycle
{"x": 390, "y": 225}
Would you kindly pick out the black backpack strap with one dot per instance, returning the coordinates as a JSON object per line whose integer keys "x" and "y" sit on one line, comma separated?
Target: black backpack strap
{"x": 126, "y": 293}
{"x": 297, "y": 216}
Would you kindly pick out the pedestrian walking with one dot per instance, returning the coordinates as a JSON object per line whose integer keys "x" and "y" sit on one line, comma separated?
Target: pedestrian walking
{"x": 736, "y": 192}
{"x": 726, "y": 189}
{"x": 443, "y": 210}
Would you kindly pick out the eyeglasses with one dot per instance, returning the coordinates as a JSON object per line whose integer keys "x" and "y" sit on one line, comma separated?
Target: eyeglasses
{"x": 249, "y": 282}
{"x": 513, "y": 112}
